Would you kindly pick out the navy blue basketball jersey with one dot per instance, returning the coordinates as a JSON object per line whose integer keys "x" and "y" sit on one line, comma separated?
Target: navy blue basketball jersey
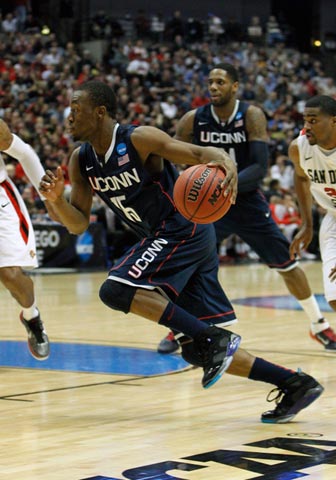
{"x": 230, "y": 135}
{"x": 140, "y": 199}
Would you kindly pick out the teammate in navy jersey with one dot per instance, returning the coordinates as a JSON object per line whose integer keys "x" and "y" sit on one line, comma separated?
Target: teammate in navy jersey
{"x": 171, "y": 275}
{"x": 240, "y": 129}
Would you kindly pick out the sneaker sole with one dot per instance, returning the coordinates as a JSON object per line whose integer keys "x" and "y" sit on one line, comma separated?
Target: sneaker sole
{"x": 309, "y": 397}
{"x": 231, "y": 349}
{"x": 330, "y": 347}
{"x": 34, "y": 354}
{"x": 169, "y": 349}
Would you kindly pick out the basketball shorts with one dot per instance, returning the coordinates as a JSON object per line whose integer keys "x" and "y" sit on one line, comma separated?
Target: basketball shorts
{"x": 327, "y": 239}
{"x": 181, "y": 262}
{"x": 250, "y": 218}
{"x": 17, "y": 239}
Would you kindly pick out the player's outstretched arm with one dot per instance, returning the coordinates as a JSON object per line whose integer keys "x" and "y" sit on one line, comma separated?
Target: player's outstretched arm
{"x": 15, "y": 147}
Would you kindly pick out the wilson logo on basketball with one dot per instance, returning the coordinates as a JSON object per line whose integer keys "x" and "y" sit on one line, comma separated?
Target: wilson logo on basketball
{"x": 197, "y": 185}
{"x": 198, "y": 194}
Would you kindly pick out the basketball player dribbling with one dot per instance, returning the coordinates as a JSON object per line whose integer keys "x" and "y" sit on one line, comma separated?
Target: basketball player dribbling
{"x": 124, "y": 165}
{"x": 17, "y": 240}
{"x": 240, "y": 129}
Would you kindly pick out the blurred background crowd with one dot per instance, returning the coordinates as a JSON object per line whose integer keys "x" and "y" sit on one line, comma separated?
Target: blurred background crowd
{"x": 158, "y": 67}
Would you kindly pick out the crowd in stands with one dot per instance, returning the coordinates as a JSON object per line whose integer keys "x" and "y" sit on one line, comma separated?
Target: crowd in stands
{"x": 158, "y": 68}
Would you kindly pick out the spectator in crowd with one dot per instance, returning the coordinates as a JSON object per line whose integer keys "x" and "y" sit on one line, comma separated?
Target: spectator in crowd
{"x": 273, "y": 31}
{"x": 274, "y": 192}
{"x": 10, "y": 23}
{"x": 175, "y": 26}
{"x": 215, "y": 28}
{"x": 286, "y": 215}
{"x": 157, "y": 27}
{"x": 22, "y": 10}
{"x": 283, "y": 171}
{"x": 141, "y": 24}
{"x": 255, "y": 32}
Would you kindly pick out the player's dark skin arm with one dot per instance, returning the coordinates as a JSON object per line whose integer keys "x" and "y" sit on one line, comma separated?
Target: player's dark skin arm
{"x": 152, "y": 145}
{"x": 302, "y": 188}
{"x": 185, "y": 127}
{"x": 256, "y": 126}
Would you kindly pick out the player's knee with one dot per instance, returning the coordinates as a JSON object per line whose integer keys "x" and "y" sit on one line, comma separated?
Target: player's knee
{"x": 9, "y": 275}
{"x": 116, "y": 295}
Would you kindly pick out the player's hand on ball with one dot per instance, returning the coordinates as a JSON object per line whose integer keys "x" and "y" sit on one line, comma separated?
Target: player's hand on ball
{"x": 230, "y": 182}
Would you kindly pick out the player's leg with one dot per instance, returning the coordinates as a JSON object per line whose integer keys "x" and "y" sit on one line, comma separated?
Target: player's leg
{"x": 293, "y": 390}
{"x": 327, "y": 239}
{"x": 137, "y": 291}
{"x": 263, "y": 235}
{"x": 17, "y": 251}
{"x": 21, "y": 287}
{"x": 202, "y": 296}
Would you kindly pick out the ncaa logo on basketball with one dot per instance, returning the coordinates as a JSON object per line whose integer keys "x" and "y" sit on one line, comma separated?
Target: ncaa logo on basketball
{"x": 216, "y": 194}
{"x": 197, "y": 185}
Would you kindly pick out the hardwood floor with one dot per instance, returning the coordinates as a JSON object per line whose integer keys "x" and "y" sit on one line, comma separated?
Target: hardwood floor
{"x": 89, "y": 413}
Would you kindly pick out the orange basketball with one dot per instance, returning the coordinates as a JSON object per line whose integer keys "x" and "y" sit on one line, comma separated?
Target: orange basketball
{"x": 198, "y": 195}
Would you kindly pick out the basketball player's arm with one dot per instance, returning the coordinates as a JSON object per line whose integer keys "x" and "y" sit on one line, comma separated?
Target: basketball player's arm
{"x": 302, "y": 188}
{"x": 256, "y": 126}
{"x": 75, "y": 213}
{"x": 149, "y": 141}
{"x": 185, "y": 127}
{"x": 13, "y": 146}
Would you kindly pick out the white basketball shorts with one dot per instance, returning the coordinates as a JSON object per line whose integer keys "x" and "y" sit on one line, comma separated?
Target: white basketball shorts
{"x": 327, "y": 238}
{"x": 17, "y": 239}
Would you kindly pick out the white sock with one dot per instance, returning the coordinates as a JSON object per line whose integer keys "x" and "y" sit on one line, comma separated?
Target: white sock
{"x": 31, "y": 312}
{"x": 310, "y": 306}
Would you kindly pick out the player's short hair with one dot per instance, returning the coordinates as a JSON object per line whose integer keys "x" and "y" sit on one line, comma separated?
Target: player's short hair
{"x": 230, "y": 69}
{"x": 325, "y": 103}
{"x": 99, "y": 94}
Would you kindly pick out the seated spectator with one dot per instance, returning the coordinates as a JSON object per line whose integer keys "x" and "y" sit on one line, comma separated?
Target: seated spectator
{"x": 233, "y": 30}
{"x": 175, "y": 26}
{"x": 215, "y": 27}
{"x": 100, "y": 25}
{"x": 157, "y": 27}
{"x": 273, "y": 31}
{"x": 283, "y": 171}
{"x": 194, "y": 30}
{"x": 141, "y": 24}
{"x": 271, "y": 104}
{"x": 255, "y": 31}
{"x": 10, "y": 24}
{"x": 274, "y": 193}
{"x": 138, "y": 67}
{"x": 286, "y": 216}
{"x": 169, "y": 108}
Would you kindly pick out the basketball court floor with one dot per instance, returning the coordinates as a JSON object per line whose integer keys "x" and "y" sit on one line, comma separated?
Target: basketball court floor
{"x": 106, "y": 406}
